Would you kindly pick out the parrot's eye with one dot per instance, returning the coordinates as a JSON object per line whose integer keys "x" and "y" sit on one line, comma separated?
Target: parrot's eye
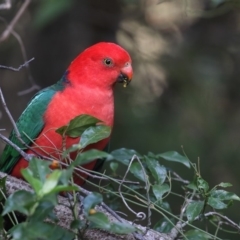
{"x": 108, "y": 62}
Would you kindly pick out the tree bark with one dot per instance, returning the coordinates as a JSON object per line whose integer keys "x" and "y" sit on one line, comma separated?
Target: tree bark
{"x": 64, "y": 215}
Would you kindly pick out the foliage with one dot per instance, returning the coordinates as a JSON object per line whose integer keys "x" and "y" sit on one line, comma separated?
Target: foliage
{"x": 146, "y": 183}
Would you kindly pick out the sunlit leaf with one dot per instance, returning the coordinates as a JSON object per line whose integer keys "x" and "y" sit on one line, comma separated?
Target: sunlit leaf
{"x": 35, "y": 183}
{"x": 59, "y": 189}
{"x": 51, "y": 182}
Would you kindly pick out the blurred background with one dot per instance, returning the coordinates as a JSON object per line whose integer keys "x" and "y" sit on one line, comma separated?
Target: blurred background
{"x": 186, "y": 59}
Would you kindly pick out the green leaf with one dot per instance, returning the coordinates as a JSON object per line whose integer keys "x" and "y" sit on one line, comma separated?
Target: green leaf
{"x": 51, "y": 182}
{"x": 78, "y": 125}
{"x": 51, "y": 197}
{"x": 47, "y": 11}
{"x": 137, "y": 171}
{"x": 94, "y": 134}
{"x": 121, "y": 228}
{"x": 73, "y": 148}
{"x": 42, "y": 211}
{"x": 158, "y": 172}
{"x": 175, "y": 157}
{"x": 1, "y": 224}
{"x": 216, "y": 203}
{"x": 66, "y": 175}
{"x": 99, "y": 220}
{"x": 89, "y": 156}
{"x": 39, "y": 168}
{"x": 77, "y": 224}
{"x": 21, "y": 201}
{"x": 40, "y": 230}
{"x": 3, "y": 192}
{"x": 114, "y": 166}
{"x": 164, "y": 225}
{"x": 124, "y": 155}
{"x": 91, "y": 201}
{"x": 192, "y": 185}
{"x": 224, "y": 185}
{"x": 202, "y": 184}
{"x": 59, "y": 189}
{"x": 160, "y": 190}
{"x": 224, "y": 195}
{"x": 34, "y": 182}
{"x": 194, "y": 209}
{"x": 197, "y": 235}
{"x": 217, "y": 198}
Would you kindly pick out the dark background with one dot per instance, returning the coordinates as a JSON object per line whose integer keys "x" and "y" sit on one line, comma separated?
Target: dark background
{"x": 186, "y": 59}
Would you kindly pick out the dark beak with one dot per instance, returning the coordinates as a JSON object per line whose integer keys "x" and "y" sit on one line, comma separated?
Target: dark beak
{"x": 123, "y": 78}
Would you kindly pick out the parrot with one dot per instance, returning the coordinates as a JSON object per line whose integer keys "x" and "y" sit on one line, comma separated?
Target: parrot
{"x": 86, "y": 87}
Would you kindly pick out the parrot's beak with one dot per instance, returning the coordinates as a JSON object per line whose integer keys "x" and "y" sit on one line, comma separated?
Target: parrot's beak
{"x": 125, "y": 76}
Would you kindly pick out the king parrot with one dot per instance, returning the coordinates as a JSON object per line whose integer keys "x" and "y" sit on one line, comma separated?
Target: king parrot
{"x": 85, "y": 88}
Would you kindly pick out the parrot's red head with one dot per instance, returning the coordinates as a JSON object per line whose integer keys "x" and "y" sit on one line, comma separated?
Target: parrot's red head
{"x": 101, "y": 65}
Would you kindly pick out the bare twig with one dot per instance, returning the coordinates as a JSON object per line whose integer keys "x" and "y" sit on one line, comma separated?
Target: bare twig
{"x": 23, "y": 154}
{"x": 19, "y": 68}
{"x": 24, "y": 54}
{"x": 178, "y": 178}
{"x": 18, "y": 135}
{"x": 139, "y": 215}
{"x": 34, "y": 86}
{"x": 231, "y": 223}
{"x": 12, "y": 24}
{"x": 6, "y": 5}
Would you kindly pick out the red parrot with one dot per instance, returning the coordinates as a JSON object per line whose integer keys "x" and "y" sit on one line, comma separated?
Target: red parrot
{"x": 85, "y": 88}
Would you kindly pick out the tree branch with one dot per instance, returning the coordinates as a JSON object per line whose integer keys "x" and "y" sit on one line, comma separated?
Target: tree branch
{"x": 12, "y": 24}
{"x": 64, "y": 215}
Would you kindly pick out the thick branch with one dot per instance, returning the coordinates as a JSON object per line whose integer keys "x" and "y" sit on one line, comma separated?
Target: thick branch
{"x": 64, "y": 215}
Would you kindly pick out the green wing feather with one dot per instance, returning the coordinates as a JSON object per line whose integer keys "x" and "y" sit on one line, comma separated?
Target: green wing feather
{"x": 29, "y": 124}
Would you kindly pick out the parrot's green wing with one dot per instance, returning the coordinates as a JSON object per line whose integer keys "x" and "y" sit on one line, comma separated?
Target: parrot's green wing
{"x": 29, "y": 124}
